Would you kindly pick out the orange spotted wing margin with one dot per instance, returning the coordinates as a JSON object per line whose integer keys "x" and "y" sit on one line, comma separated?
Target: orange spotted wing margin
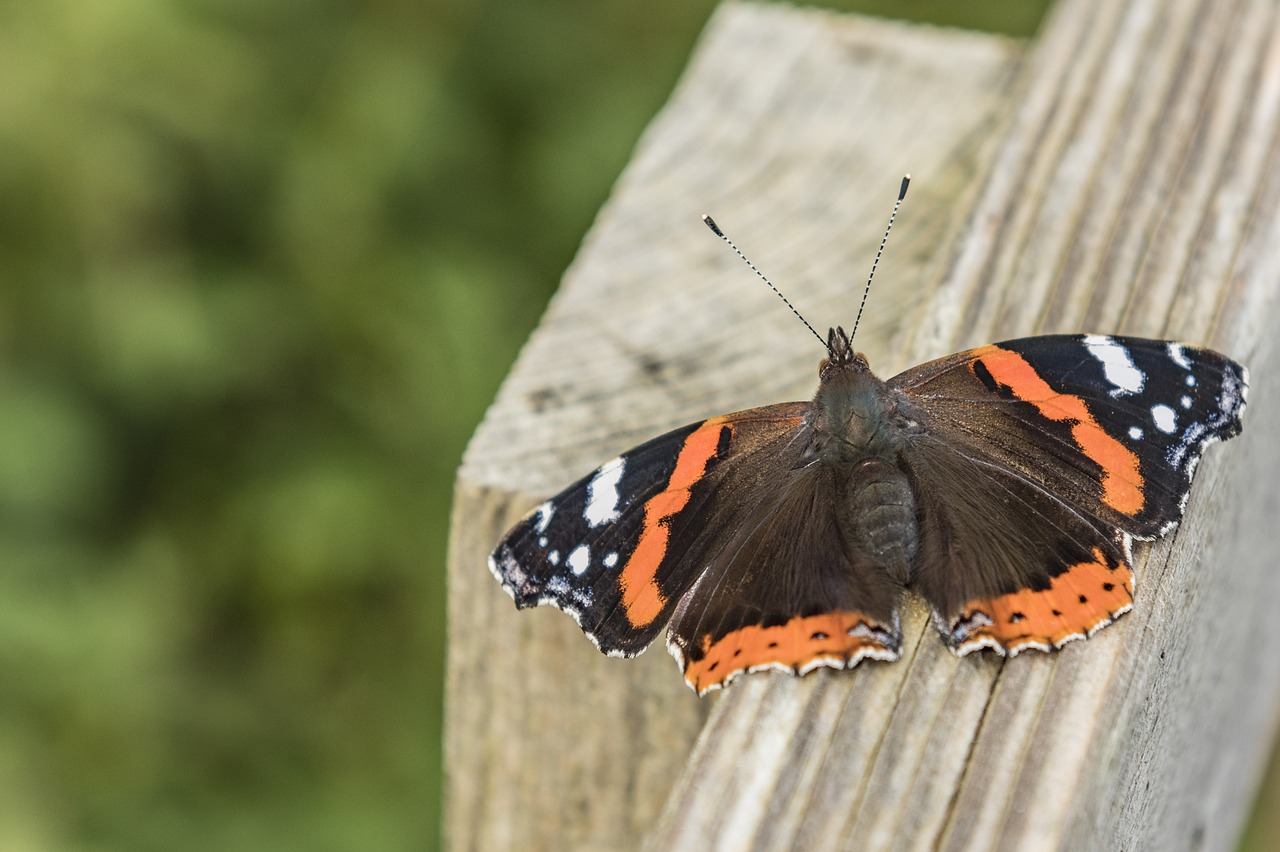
{"x": 1078, "y": 602}
{"x": 1070, "y": 446}
{"x": 787, "y": 592}
{"x": 617, "y": 549}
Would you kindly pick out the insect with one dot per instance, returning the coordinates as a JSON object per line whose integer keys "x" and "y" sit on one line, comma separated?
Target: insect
{"x": 1004, "y": 485}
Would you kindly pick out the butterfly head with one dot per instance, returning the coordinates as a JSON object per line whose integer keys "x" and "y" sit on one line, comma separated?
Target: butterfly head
{"x": 840, "y": 355}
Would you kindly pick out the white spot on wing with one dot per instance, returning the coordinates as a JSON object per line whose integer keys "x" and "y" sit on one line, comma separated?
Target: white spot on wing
{"x": 1190, "y": 440}
{"x": 1118, "y": 366}
{"x": 1178, "y": 355}
{"x": 579, "y": 559}
{"x": 610, "y": 560}
{"x": 1135, "y": 433}
{"x": 1186, "y": 401}
{"x": 554, "y": 557}
{"x": 602, "y": 494}
{"x": 1191, "y": 381}
{"x": 1165, "y": 418}
{"x": 544, "y": 512}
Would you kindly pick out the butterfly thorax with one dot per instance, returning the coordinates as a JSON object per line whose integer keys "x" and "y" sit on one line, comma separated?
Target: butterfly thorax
{"x": 854, "y": 432}
{"x": 850, "y": 418}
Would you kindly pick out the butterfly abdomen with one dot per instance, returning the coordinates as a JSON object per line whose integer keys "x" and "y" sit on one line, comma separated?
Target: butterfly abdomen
{"x": 880, "y": 517}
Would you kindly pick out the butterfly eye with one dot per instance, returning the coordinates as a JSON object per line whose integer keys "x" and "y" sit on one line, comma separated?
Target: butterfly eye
{"x": 822, "y": 368}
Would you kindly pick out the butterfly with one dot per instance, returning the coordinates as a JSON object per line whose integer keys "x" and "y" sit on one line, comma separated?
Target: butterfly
{"x": 1004, "y": 485}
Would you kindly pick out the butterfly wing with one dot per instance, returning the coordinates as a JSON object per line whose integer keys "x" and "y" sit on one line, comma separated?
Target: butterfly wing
{"x": 786, "y": 591}
{"x": 617, "y": 549}
{"x": 1007, "y": 564}
{"x": 1067, "y": 445}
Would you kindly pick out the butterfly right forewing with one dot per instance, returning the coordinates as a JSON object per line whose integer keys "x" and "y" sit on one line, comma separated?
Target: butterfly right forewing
{"x": 1114, "y": 425}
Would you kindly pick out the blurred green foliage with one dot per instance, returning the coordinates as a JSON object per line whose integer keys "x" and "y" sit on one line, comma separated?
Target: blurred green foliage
{"x": 263, "y": 265}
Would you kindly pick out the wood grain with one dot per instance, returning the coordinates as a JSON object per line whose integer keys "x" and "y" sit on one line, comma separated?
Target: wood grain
{"x": 1121, "y": 177}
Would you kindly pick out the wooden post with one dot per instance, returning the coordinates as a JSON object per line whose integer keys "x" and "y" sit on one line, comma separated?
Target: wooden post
{"x": 1123, "y": 178}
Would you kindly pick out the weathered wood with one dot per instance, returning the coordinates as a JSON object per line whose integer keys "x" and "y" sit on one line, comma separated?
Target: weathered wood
{"x": 1136, "y": 190}
{"x": 793, "y": 127}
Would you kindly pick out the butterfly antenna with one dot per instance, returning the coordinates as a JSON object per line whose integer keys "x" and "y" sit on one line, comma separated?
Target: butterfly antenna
{"x": 902, "y": 193}
{"x": 711, "y": 223}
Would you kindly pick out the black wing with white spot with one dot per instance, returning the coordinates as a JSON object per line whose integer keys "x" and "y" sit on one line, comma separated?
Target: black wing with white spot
{"x": 619, "y": 548}
{"x": 1114, "y": 425}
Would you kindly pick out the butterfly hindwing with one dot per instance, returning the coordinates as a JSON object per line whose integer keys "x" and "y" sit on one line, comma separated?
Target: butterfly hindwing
{"x": 787, "y": 591}
{"x": 1005, "y": 563}
{"x": 617, "y": 549}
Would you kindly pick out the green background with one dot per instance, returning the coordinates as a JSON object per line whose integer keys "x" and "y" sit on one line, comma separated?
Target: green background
{"x": 263, "y": 265}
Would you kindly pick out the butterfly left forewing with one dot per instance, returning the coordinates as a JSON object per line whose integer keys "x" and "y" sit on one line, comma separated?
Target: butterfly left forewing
{"x": 618, "y": 548}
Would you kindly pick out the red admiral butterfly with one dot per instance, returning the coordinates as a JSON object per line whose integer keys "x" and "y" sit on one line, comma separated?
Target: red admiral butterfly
{"x": 1003, "y": 485}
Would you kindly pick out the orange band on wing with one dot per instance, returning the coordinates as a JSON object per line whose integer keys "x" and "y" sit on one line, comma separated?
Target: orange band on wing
{"x": 836, "y": 639}
{"x": 642, "y": 599}
{"x": 1121, "y": 477}
{"x": 1085, "y": 597}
